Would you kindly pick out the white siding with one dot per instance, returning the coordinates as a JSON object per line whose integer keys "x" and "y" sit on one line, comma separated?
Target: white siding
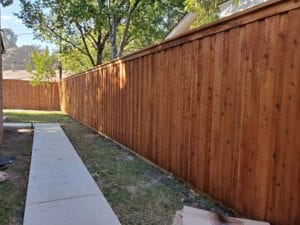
{"x": 228, "y": 8}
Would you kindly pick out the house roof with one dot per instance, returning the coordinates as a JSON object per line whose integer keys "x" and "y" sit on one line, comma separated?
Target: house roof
{"x": 24, "y": 75}
{"x": 226, "y": 7}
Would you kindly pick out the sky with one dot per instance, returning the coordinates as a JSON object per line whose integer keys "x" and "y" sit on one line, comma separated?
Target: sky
{"x": 25, "y": 35}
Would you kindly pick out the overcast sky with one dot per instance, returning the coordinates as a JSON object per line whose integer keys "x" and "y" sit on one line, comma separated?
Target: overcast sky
{"x": 25, "y": 36}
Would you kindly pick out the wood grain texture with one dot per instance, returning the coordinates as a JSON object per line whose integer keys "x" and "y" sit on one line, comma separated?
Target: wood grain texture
{"x": 218, "y": 107}
{"x": 18, "y": 94}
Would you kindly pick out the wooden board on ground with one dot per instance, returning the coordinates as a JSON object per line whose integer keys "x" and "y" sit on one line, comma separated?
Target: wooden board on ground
{"x": 194, "y": 216}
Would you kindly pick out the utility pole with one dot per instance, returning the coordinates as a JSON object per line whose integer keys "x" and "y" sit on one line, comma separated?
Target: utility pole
{"x": 60, "y": 47}
{"x": 59, "y": 62}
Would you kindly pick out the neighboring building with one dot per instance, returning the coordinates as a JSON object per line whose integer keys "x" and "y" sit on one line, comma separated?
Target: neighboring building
{"x": 226, "y": 8}
{"x": 25, "y": 75}
{"x": 183, "y": 25}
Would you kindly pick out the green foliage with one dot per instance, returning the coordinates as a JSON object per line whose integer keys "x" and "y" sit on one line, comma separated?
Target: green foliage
{"x": 43, "y": 69}
{"x": 136, "y": 24}
{"x": 92, "y": 31}
{"x": 83, "y": 27}
{"x": 5, "y": 3}
{"x": 206, "y": 10}
{"x": 152, "y": 22}
{"x": 74, "y": 61}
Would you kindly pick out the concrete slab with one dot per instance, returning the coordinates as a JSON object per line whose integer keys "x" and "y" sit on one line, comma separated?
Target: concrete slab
{"x": 60, "y": 188}
{"x": 17, "y": 125}
{"x": 61, "y": 184}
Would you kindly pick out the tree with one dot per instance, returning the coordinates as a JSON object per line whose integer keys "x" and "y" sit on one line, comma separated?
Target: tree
{"x": 17, "y": 58}
{"x": 206, "y": 9}
{"x": 86, "y": 26}
{"x": 120, "y": 11}
{"x": 78, "y": 24}
{"x": 9, "y": 38}
{"x": 92, "y": 31}
{"x": 131, "y": 21}
{"x": 43, "y": 69}
{"x": 74, "y": 61}
{"x": 159, "y": 18}
{"x": 4, "y": 3}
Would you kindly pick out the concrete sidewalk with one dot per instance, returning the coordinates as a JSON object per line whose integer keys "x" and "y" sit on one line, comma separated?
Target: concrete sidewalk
{"x": 60, "y": 190}
{"x": 17, "y": 125}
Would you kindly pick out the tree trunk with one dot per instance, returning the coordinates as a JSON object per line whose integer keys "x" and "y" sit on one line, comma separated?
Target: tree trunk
{"x": 99, "y": 57}
{"x": 100, "y": 47}
{"x": 112, "y": 37}
{"x": 124, "y": 39}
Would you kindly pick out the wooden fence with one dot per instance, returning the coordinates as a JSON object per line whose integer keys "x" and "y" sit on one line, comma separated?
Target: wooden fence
{"x": 18, "y": 94}
{"x": 218, "y": 107}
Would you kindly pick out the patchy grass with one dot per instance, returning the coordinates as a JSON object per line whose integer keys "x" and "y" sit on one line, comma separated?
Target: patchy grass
{"x": 138, "y": 192}
{"x": 19, "y": 116}
{"x": 18, "y": 144}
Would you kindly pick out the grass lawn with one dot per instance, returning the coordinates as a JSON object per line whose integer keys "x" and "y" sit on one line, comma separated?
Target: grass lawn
{"x": 17, "y": 143}
{"x": 138, "y": 192}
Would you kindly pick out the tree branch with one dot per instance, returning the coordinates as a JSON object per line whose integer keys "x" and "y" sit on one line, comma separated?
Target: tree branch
{"x": 65, "y": 40}
{"x": 125, "y": 32}
{"x": 92, "y": 38}
{"x": 85, "y": 44}
{"x": 105, "y": 38}
{"x": 81, "y": 63}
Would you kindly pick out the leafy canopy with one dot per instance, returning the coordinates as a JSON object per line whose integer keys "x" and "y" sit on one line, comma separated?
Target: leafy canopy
{"x": 5, "y": 3}
{"x": 89, "y": 32}
{"x": 206, "y": 10}
{"x": 91, "y": 28}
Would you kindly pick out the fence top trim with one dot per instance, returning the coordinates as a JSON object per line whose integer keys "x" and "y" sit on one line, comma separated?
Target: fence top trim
{"x": 17, "y": 80}
{"x": 235, "y": 20}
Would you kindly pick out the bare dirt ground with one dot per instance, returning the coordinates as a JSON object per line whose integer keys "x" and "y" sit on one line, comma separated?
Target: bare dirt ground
{"x": 17, "y": 143}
